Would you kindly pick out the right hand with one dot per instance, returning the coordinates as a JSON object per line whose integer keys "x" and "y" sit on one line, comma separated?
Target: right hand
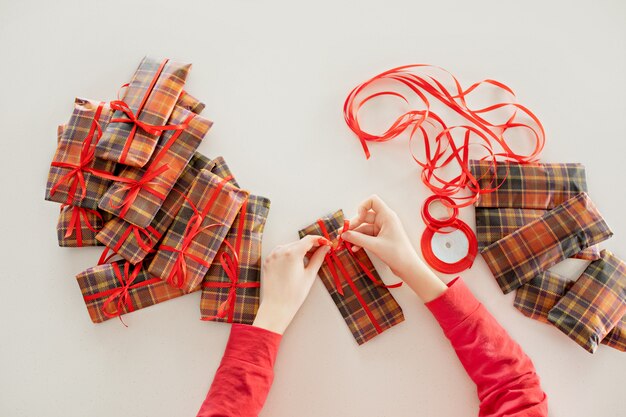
{"x": 378, "y": 229}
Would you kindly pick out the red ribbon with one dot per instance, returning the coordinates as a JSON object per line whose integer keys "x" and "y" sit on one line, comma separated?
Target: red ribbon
{"x": 119, "y": 297}
{"x": 149, "y": 178}
{"x": 231, "y": 267}
{"x": 334, "y": 263}
{"x": 122, "y": 106}
{"x": 442, "y": 150}
{"x": 151, "y": 235}
{"x": 75, "y": 223}
{"x": 178, "y": 274}
{"x": 75, "y": 177}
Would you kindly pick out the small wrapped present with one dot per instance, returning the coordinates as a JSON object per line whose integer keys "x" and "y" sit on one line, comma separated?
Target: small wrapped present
{"x": 76, "y": 177}
{"x": 134, "y": 243}
{"x": 529, "y": 186}
{"x": 140, "y": 117}
{"x": 113, "y": 289}
{"x": 536, "y": 298}
{"x": 595, "y": 304}
{"x": 365, "y": 303}
{"x": 222, "y": 170}
{"x": 193, "y": 239}
{"x": 560, "y": 233}
{"x": 78, "y": 226}
{"x": 492, "y": 224}
{"x": 230, "y": 290}
{"x": 140, "y": 192}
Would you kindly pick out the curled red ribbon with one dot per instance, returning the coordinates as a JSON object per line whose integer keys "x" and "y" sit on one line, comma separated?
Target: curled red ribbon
{"x": 150, "y": 234}
{"x": 75, "y": 223}
{"x": 334, "y": 264}
{"x": 119, "y": 297}
{"x": 230, "y": 263}
{"x": 442, "y": 149}
{"x": 178, "y": 274}
{"x": 75, "y": 177}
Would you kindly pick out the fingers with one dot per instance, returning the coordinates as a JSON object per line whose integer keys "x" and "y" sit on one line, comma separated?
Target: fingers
{"x": 359, "y": 239}
{"x": 302, "y": 246}
{"x": 374, "y": 203}
{"x": 317, "y": 259}
{"x": 363, "y": 217}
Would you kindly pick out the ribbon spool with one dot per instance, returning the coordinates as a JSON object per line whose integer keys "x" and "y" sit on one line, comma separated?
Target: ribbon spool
{"x": 449, "y": 245}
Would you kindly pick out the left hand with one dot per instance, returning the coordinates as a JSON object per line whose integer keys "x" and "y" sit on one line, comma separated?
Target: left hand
{"x": 286, "y": 281}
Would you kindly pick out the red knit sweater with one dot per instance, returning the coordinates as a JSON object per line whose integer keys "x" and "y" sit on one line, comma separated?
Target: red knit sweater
{"x": 505, "y": 378}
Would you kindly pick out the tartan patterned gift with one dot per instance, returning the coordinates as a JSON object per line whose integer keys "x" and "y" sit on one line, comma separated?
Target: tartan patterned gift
{"x": 113, "y": 289}
{"x": 140, "y": 116}
{"x": 365, "y": 303}
{"x": 595, "y": 304}
{"x": 193, "y": 239}
{"x": 492, "y": 224}
{"x": 617, "y": 336}
{"x": 542, "y": 243}
{"x": 78, "y": 226}
{"x": 230, "y": 290}
{"x": 134, "y": 243}
{"x": 222, "y": 170}
{"x": 139, "y": 197}
{"x": 530, "y": 186}
{"x": 74, "y": 178}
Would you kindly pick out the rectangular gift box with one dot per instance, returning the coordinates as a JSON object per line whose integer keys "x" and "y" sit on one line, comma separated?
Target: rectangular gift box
{"x": 134, "y": 243}
{"x": 368, "y": 308}
{"x": 74, "y": 177}
{"x": 78, "y": 226}
{"x": 193, "y": 239}
{"x": 139, "y": 198}
{"x": 113, "y": 289}
{"x": 530, "y": 186}
{"x": 536, "y": 298}
{"x": 492, "y": 224}
{"x": 560, "y": 233}
{"x": 148, "y": 102}
{"x": 595, "y": 304}
{"x": 230, "y": 290}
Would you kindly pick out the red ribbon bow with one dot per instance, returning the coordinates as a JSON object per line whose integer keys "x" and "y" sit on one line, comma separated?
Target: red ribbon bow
{"x": 75, "y": 223}
{"x": 231, "y": 268}
{"x": 151, "y": 235}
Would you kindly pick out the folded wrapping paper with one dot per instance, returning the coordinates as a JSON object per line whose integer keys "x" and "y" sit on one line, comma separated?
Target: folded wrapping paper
{"x": 595, "y": 304}
{"x": 536, "y": 298}
{"x": 134, "y": 243}
{"x": 193, "y": 239}
{"x": 560, "y": 233}
{"x": 530, "y": 186}
{"x": 140, "y": 116}
{"x": 74, "y": 178}
{"x": 230, "y": 290}
{"x": 78, "y": 226}
{"x": 117, "y": 288}
{"x": 492, "y": 224}
{"x": 139, "y": 197}
{"x": 222, "y": 170}
{"x": 366, "y": 305}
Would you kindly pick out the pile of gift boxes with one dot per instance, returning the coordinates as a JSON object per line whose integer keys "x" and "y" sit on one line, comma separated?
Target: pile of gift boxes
{"x": 128, "y": 177}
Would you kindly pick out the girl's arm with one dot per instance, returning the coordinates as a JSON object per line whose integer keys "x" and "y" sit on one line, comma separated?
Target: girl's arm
{"x": 245, "y": 375}
{"x": 505, "y": 377}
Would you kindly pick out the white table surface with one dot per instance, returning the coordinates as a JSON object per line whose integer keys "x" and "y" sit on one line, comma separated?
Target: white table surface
{"x": 274, "y": 75}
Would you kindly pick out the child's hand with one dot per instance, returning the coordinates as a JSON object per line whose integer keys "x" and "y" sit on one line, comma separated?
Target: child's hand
{"x": 286, "y": 282}
{"x": 378, "y": 229}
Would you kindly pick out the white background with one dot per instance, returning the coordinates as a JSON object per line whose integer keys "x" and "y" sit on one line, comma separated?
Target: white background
{"x": 274, "y": 75}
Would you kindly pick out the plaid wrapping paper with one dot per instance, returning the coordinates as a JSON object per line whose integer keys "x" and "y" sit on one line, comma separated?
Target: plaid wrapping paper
{"x": 175, "y": 149}
{"x": 536, "y": 298}
{"x": 126, "y": 142}
{"x": 68, "y": 151}
{"x": 77, "y": 226}
{"x": 530, "y": 186}
{"x": 100, "y": 282}
{"x": 222, "y": 170}
{"x": 246, "y": 302}
{"x": 558, "y": 234}
{"x": 595, "y": 304}
{"x": 177, "y": 259}
{"x": 116, "y": 235}
{"x": 492, "y": 224}
{"x": 379, "y": 300}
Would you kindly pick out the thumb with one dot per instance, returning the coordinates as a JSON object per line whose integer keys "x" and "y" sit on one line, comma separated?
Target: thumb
{"x": 360, "y": 239}
{"x": 317, "y": 259}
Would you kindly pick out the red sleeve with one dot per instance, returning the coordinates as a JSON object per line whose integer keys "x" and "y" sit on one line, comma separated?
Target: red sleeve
{"x": 505, "y": 377}
{"x": 245, "y": 375}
